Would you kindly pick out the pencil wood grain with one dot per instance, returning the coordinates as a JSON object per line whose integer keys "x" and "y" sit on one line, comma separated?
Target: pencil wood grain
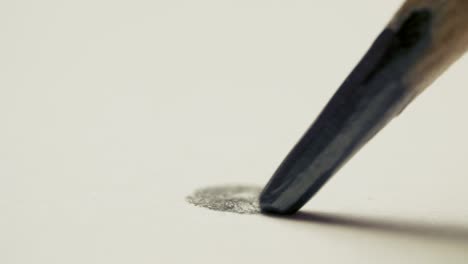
{"x": 449, "y": 39}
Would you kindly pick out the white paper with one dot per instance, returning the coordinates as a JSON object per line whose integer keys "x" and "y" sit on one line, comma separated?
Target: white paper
{"x": 112, "y": 112}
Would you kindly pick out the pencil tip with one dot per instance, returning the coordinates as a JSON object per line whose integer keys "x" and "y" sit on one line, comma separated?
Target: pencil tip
{"x": 267, "y": 206}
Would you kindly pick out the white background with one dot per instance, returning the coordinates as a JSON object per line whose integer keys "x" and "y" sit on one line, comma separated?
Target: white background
{"x": 111, "y": 112}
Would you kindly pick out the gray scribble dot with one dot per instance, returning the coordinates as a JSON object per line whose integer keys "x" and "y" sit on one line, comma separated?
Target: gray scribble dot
{"x": 234, "y": 198}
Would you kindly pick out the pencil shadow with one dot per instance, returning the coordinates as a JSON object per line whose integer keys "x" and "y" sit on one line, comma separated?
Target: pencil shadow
{"x": 399, "y": 227}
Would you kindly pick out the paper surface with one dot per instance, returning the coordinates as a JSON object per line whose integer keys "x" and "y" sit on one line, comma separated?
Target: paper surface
{"x": 112, "y": 112}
